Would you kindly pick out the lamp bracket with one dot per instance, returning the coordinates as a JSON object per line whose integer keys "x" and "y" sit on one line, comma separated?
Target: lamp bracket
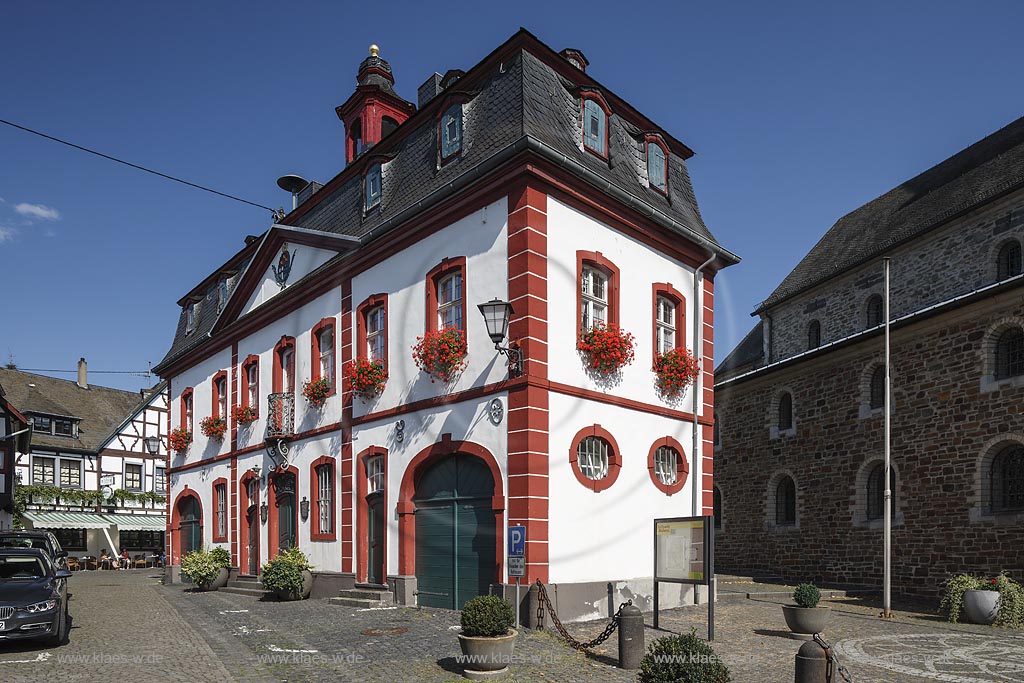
{"x": 515, "y": 358}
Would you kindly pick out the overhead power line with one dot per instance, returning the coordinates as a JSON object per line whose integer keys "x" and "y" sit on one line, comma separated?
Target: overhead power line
{"x": 135, "y": 166}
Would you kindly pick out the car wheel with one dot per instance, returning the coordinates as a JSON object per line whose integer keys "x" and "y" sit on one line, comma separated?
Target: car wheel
{"x": 63, "y": 626}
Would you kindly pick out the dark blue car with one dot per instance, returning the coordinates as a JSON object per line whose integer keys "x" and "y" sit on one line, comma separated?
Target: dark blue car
{"x": 33, "y": 596}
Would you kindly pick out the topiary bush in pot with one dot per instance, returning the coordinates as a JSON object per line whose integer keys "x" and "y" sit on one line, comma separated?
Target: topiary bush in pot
{"x": 806, "y": 618}
{"x": 222, "y": 558}
{"x": 288, "y": 575}
{"x": 806, "y": 595}
{"x": 200, "y": 568}
{"x": 682, "y": 659}
{"x": 487, "y": 639}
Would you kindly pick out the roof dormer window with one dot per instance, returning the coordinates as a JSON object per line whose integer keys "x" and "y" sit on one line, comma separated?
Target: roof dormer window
{"x": 191, "y": 316}
{"x": 657, "y": 165}
{"x": 451, "y": 132}
{"x": 595, "y": 124}
{"x": 372, "y": 187}
{"x": 222, "y": 292}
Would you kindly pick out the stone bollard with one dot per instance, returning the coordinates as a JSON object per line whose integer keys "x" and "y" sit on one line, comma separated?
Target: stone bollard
{"x": 811, "y": 664}
{"x": 631, "y": 637}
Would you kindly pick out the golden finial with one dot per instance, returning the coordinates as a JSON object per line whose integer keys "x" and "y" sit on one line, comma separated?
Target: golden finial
{"x": 374, "y": 50}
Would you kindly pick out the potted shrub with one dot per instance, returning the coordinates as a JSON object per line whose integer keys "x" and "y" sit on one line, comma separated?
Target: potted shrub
{"x": 179, "y": 439}
{"x": 316, "y": 392}
{"x": 441, "y": 354}
{"x": 214, "y": 427}
{"x": 606, "y": 348}
{"x": 288, "y": 575}
{"x": 682, "y": 659}
{"x": 244, "y": 415}
{"x": 984, "y": 601}
{"x": 201, "y": 569}
{"x": 222, "y": 558}
{"x": 487, "y": 639}
{"x": 367, "y": 378}
{"x": 674, "y": 371}
{"x": 806, "y": 618}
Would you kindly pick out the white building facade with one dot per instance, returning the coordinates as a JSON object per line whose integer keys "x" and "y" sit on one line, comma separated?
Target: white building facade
{"x": 411, "y": 489}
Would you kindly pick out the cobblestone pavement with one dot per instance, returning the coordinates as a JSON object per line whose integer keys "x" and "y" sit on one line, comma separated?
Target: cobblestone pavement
{"x": 122, "y": 630}
{"x": 128, "y": 627}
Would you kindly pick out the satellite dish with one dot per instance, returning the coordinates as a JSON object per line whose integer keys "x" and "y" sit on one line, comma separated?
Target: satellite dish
{"x": 292, "y": 183}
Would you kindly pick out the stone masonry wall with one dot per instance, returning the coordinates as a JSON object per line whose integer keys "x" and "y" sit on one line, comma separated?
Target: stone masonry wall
{"x": 953, "y": 260}
{"x": 945, "y": 427}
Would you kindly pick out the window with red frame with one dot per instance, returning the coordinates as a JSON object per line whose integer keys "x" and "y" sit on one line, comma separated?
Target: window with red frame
{"x": 251, "y": 382}
{"x": 323, "y": 351}
{"x": 597, "y": 299}
{"x": 665, "y": 325}
{"x": 446, "y": 295}
{"x": 376, "y": 340}
{"x": 284, "y": 370}
{"x": 186, "y": 409}
{"x": 323, "y": 525}
{"x": 220, "y": 395}
{"x": 220, "y": 495}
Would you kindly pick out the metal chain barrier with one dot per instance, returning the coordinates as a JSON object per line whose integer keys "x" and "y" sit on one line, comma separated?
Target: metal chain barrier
{"x": 833, "y": 661}
{"x": 544, "y": 602}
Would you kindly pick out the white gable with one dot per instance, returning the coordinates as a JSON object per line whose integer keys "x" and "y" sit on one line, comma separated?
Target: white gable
{"x": 303, "y": 260}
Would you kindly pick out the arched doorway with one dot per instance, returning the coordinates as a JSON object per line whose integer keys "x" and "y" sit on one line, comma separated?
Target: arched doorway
{"x": 284, "y": 522}
{"x": 455, "y": 531}
{"x": 251, "y": 525}
{"x": 190, "y": 524}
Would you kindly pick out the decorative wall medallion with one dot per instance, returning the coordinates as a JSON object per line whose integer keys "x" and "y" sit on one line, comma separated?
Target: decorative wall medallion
{"x": 400, "y": 431}
{"x": 284, "y": 266}
{"x": 495, "y": 411}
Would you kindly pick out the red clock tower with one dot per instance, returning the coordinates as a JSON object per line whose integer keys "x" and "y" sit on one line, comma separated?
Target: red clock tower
{"x": 374, "y": 109}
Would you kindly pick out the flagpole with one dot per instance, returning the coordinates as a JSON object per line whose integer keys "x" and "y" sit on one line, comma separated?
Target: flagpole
{"x": 887, "y": 495}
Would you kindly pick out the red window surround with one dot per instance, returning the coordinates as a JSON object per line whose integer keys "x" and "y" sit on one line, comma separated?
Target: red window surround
{"x": 187, "y": 409}
{"x": 244, "y": 503}
{"x": 252, "y": 361}
{"x": 369, "y": 304}
{"x": 315, "y": 533}
{"x": 601, "y": 102}
{"x": 596, "y": 259}
{"x": 448, "y": 266}
{"x": 220, "y": 488}
{"x": 363, "y": 511}
{"x": 656, "y": 139}
{"x": 325, "y": 324}
{"x": 286, "y": 343}
{"x": 614, "y": 458}
{"x": 221, "y": 376}
{"x": 666, "y": 290}
{"x": 684, "y": 466}
{"x": 175, "y": 529}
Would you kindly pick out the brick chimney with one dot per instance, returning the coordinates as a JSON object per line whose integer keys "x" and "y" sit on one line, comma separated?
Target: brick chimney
{"x": 83, "y": 374}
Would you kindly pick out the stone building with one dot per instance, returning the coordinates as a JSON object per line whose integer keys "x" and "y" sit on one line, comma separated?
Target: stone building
{"x": 799, "y": 410}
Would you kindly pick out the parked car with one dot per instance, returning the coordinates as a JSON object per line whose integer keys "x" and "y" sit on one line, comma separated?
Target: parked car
{"x": 44, "y": 540}
{"x": 33, "y": 596}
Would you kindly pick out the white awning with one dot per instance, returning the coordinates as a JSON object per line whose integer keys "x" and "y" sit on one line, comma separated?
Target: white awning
{"x": 66, "y": 520}
{"x": 138, "y": 522}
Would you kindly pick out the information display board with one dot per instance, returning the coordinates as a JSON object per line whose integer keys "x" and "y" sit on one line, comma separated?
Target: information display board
{"x": 679, "y": 546}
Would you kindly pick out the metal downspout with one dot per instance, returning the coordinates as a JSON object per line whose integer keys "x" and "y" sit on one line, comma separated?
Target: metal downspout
{"x": 698, "y": 354}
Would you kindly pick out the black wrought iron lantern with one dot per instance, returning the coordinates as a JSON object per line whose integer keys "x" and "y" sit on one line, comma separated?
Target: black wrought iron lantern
{"x": 496, "y": 316}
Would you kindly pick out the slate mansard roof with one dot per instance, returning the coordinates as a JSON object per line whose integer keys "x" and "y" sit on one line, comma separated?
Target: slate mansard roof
{"x": 973, "y": 176}
{"x": 100, "y": 409}
{"x": 515, "y": 101}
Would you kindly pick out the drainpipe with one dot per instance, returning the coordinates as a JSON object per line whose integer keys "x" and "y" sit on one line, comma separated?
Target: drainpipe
{"x": 698, "y": 354}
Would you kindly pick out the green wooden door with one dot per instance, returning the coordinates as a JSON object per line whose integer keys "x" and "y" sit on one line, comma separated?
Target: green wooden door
{"x": 375, "y": 534}
{"x": 455, "y": 532}
{"x": 286, "y": 536}
{"x": 191, "y": 525}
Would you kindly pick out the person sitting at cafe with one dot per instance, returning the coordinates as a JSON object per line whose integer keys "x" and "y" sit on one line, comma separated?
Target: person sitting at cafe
{"x": 106, "y": 561}
{"x": 126, "y": 560}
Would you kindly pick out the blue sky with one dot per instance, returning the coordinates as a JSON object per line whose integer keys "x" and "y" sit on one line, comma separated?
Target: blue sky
{"x": 799, "y": 112}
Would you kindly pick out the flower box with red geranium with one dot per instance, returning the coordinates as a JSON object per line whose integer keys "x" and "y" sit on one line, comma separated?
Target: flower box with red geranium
{"x": 179, "y": 439}
{"x": 243, "y": 415}
{"x": 214, "y": 427}
{"x": 316, "y": 392}
{"x": 606, "y": 348}
{"x": 366, "y": 377}
{"x": 675, "y": 370}
{"x": 441, "y": 354}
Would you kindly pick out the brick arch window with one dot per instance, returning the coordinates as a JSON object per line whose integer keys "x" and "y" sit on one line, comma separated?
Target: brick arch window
{"x": 220, "y": 395}
{"x": 596, "y": 113}
{"x": 323, "y": 526}
{"x": 323, "y": 342}
{"x": 1006, "y": 479}
{"x": 284, "y": 366}
{"x": 1008, "y": 260}
{"x": 251, "y": 382}
{"x": 595, "y": 458}
{"x": 813, "y": 335}
{"x": 782, "y": 501}
{"x": 785, "y": 413}
{"x": 667, "y": 466}
{"x": 372, "y": 329}
{"x": 876, "y": 390}
{"x": 657, "y": 163}
{"x": 874, "y": 311}
{"x": 669, "y": 318}
{"x": 446, "y": 295}
{"x": 875, "y": 491}
{"x": 781, "y": 417}
{"x": 187, "y": 409}
{"x": 1009, "y": 353}
{"x": 597, "y": 298}
{"x": 220, "y": 510}
{"x": 1002, "y": 354}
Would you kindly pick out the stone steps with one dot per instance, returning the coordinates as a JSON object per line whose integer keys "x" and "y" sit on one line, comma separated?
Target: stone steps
{"x": 245, "y": 586}
{"x": 365, "y": 598}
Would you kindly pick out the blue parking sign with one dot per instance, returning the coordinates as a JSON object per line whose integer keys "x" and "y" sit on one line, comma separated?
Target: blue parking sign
{"x": 517, "y": 541}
